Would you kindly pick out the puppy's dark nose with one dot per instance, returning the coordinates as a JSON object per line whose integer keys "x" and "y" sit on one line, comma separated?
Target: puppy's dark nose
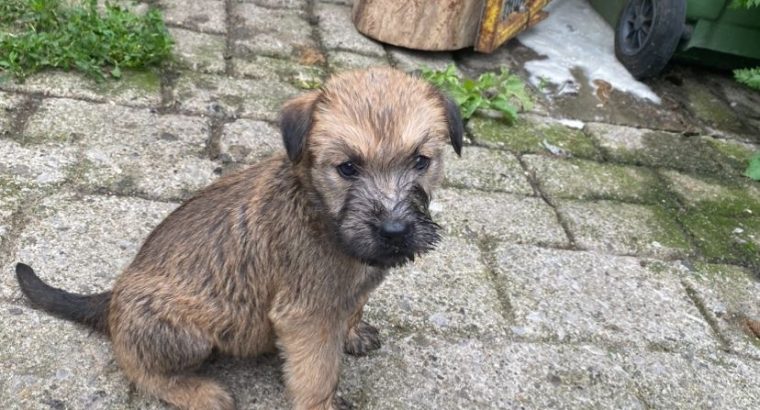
{"x": 394, "y": 229}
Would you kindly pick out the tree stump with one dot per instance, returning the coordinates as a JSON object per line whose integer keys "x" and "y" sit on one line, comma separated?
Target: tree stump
{"x": 420, "y": 24}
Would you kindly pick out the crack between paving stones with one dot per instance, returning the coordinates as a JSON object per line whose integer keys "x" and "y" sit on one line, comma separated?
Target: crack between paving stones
{"x": 168, "y": 81}
{"x": 725, "y": 344}
{"x": 694, "y": 248}
{"x": 213, "y": 147}
{"x": 193, "y": 29}
{"x": 273, "y": 7}
{"x": 229, "y": 68}
{"x": 313, "y": 20}
{"x": 18, "y": 221}
{"x": 488, "y": 258}
{"x": 533, "y": 181}
{"x": 29, "y": 105}
{"x": 43, "y": 95}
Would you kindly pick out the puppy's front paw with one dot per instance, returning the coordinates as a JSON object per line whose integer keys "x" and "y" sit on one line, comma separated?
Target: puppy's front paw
{"x": 362, "y": 339}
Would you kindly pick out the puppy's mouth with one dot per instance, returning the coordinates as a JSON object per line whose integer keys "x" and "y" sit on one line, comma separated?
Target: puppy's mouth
{"x": 391, "y": 259}
{"x": 385, "y": 240}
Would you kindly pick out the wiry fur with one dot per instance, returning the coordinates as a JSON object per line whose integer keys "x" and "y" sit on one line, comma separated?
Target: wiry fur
{"x": 283, "y": 254}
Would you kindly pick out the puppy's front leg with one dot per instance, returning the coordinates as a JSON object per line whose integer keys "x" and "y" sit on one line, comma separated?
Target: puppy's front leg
{"x": 362, "y": 337}
{"x": 312, "y": 346}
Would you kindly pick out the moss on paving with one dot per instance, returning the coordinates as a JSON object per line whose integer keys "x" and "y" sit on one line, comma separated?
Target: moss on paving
{"x": 149, "y": 82}
{"x": 660, "y": 149}
{"x": 582, "y": 179}
{"x": 712, "y": 196}
{"x": 710, "y": 109}
{"x": 527, "y": 136}
{"x": 733, "y": 155}
{"x": 668, "y": 232}
{"x": 724, "y": 239}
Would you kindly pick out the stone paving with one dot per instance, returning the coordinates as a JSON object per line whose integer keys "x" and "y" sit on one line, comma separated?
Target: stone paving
{"x": 620, "y": 271}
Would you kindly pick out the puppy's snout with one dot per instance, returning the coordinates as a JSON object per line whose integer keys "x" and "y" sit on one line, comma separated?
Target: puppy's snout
{"x": 394, "y": 229}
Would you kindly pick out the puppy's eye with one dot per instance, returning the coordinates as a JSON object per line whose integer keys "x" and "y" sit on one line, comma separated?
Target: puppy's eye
{"x": 348, "y": 170}
{"x": 421, "y": 162}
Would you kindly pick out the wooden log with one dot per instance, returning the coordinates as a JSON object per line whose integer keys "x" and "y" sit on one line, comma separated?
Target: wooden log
{"x": 420, "y": 24}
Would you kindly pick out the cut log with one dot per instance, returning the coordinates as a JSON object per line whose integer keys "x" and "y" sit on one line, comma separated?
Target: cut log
{"x": 420, "y": 24}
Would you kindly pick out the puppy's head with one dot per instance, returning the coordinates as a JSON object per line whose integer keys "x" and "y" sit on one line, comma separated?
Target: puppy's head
{"x": 371, "y": 143}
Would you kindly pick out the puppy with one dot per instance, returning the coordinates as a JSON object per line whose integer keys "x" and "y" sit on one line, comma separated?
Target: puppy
{"x": 282, "y": 255}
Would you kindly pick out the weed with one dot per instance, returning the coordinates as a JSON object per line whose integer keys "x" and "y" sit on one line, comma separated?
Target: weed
{"x": 753, "y": 169}
{"x": 39, "y": 34}
{"x": 749, "y": 77}
{"x": 502, "y": 92}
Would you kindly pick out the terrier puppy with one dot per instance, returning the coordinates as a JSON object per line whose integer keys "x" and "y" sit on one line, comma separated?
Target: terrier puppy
{"x": 282, "y": 255}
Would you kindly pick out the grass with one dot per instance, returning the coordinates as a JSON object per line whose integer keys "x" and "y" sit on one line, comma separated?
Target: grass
{"x": 504, "y": 92}
{"x": 73, "y": 35}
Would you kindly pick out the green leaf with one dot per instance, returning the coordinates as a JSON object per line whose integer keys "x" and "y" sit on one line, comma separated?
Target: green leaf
{"x": 753, "y": 169}
{"x": 749, "y": 77}
{"x": 116, "y": 72}
{"x": 502, "y": 105}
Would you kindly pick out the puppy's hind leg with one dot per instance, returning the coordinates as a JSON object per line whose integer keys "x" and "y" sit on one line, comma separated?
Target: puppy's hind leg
{"x": 159, "y": 358}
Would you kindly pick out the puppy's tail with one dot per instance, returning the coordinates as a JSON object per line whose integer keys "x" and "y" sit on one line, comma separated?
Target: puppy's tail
{"x": 91, "y": 310}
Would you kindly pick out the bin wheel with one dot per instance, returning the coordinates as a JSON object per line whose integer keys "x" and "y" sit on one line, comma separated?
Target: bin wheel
{"x": 647, "y": 34}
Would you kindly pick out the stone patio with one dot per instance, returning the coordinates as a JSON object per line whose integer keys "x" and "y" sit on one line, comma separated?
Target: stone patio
{"x": 618, "y": 272}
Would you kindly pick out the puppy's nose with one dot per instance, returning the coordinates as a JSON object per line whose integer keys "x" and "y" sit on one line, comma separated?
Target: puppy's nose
{"x": 394, "y": 229}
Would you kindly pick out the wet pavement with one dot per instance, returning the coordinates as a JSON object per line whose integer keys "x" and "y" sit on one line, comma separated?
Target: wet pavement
{"x": 618, "y": 271}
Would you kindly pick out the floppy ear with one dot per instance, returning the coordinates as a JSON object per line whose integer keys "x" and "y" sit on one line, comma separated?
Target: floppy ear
{"x": 454, "y": 120}
{"x": 295, "y": 123}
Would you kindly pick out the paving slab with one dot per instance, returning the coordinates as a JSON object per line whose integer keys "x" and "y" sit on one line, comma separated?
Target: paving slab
{"x": 722, "y": 218}
{"x": 476, "y": 63}
{"x": 212, "y": 95}
{"x": 570, "y": 296}
{"x": 135, "y": 88}
{"x": 344, "y": 60}
{"x": 486, "y": 169}
{"x": 301, "y": 76}
{"x": 730, "y": 296}
{"x": 725, "y": 239}
{"x": 639, "y": 146}
{"x": 204, "y": 16}
{"x": 199, "y": 51}
{"x": 127, "y": 150}
{"x": 446, "y": 290}
{"x": 479, "y": 216}
{"x": 624, "y": 229}
{"x": 685, "y": 381}
{"x": 258, "y": 30}
{"x": 532, "y": 134}
{"x": 710, "y": 108}
{"x": 249, "y": 141}
{"x": 412, "y": 60}
{"x": 53, "y": 364}
{"x": 41, "y": 165}
{"x": 81, "y": 243}
{"x": 580, "y": 179}
{"x": 735, "y": 155}
{"x": 337, "y": 31}
{"x": 423, "y": 371}
{"x": 708, "y": 195}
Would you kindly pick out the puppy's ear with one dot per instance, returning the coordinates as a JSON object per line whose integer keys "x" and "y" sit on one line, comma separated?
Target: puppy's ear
{"x": 295, "y": 123}
{"x": 454, "y": 120}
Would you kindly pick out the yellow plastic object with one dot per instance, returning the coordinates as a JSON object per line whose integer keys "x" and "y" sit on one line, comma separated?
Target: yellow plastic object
{"x": 502, "y": 20}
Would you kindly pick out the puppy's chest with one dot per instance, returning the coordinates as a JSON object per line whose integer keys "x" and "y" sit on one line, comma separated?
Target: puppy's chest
{"x": 365, "y": 281}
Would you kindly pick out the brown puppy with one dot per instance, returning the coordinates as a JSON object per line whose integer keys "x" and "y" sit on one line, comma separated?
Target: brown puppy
{"x": 285, "y": 253}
